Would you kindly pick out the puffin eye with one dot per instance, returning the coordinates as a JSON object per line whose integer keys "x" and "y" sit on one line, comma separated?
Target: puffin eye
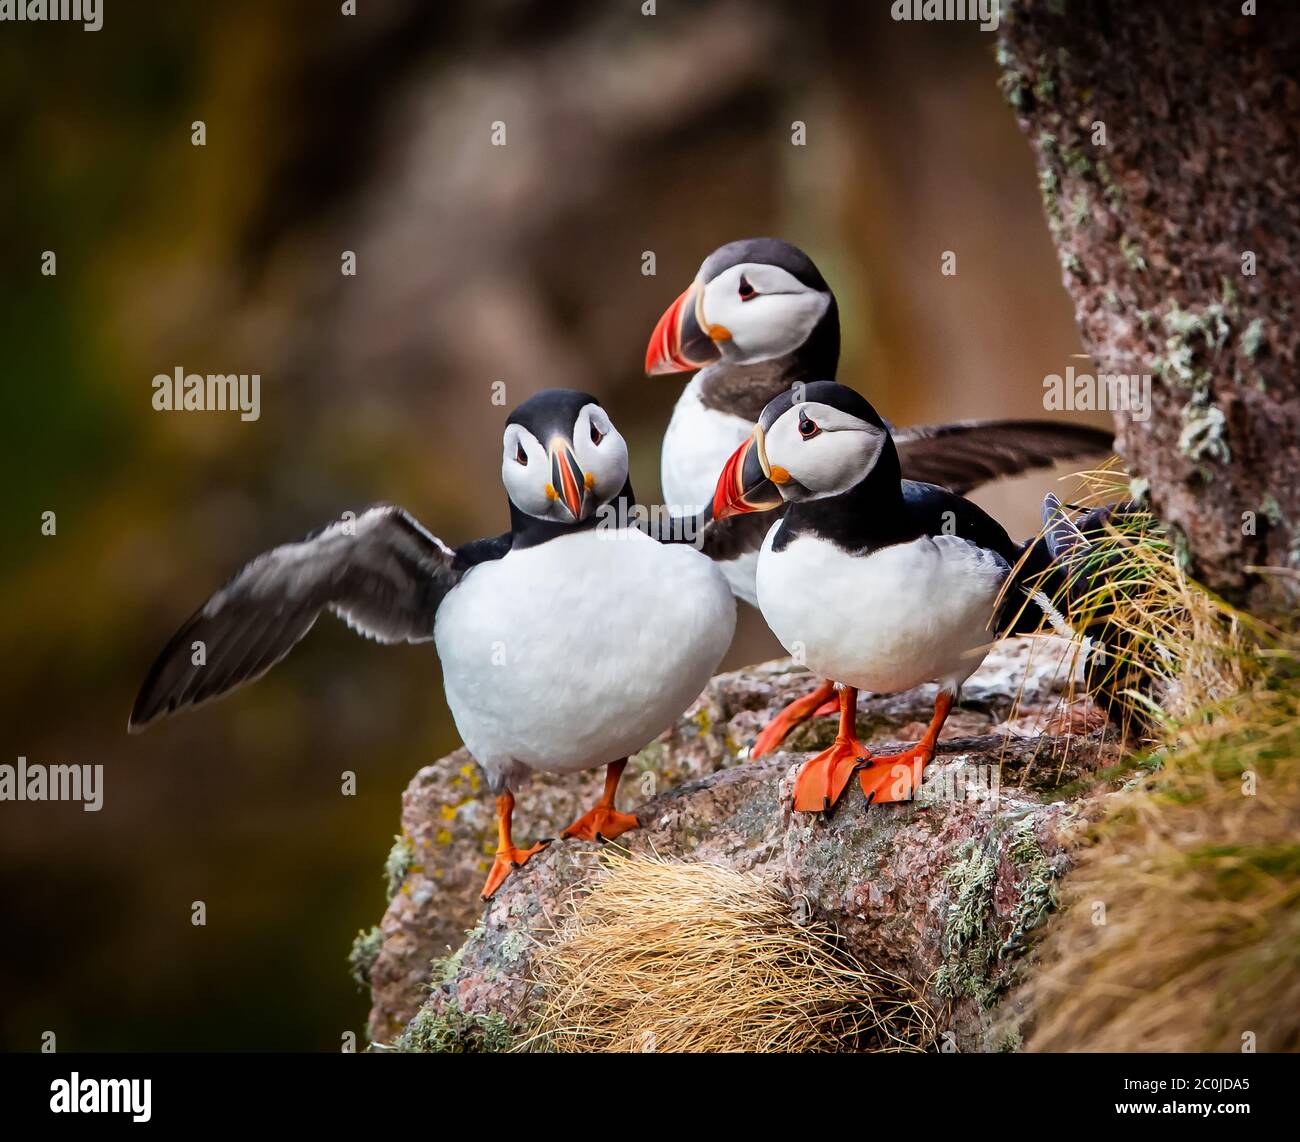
{"x": 746, "y": 290}
{"x": 807, "y": 428}
{"x": 596, "y": 435}
{"x": 521, "y": 457}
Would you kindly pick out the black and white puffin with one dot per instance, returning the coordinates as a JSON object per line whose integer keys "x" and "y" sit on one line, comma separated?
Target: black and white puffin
{"x": 567, "y": 643}
{"x": 758, "y": 318}
{"x": 881, "y": 583}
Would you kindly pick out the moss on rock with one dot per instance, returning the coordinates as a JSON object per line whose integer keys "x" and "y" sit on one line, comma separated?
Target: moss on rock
{"x": 401, "y": 857}
{"x": 452, "y": 1031}
{"x": 364, "y": 952}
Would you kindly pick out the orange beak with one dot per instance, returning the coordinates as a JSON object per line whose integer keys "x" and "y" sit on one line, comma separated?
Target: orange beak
{"x": 568, "y": 481}
{"x": 680, "y": 343}
{"x": 745, "y": 484}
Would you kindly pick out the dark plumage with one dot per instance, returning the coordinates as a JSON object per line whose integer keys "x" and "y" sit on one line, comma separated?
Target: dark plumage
{"x": 884, "y": 508}
{"x": 879, "y": 582}
{"x": 382, "y": 573}
{"x": 967, "y": 453}
{"x": 607, "y": 643}
{"x": 959, "y": 456}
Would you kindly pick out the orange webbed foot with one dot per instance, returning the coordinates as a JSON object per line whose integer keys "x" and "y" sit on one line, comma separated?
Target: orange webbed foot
{"x": 603, "y": 823}
{"x": 507, "y": 860}
{"x": 897, "y": 776}
{"x": 820, "y": 701}
{"x": 822, "y": 780}
{"x": 894, "y": 776}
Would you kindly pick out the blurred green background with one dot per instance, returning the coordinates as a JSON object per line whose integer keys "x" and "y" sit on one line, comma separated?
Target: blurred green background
{"x": 522, "y": 264}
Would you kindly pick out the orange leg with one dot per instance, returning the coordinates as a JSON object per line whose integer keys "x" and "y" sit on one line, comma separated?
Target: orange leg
{"x": 604, "y": 822}
{"x": 896, "y": 776}
{"x": 820, "y": 701}
{"x": 822, "y": 779}
{"x": 508, "y": 857}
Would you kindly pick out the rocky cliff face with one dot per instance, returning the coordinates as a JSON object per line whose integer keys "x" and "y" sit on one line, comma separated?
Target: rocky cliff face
{"x": 1163, "y": 234}
{"x": 945, "y": 891}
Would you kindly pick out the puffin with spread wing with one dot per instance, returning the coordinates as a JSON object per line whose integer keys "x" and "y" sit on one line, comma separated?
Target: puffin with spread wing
{"x": 568, "y": 643}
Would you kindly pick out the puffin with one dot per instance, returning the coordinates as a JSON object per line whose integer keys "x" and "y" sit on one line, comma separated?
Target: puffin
{"x": 881, "y": 582}
{"x": 567, "y": 643}
{"x": 758, "y": 318}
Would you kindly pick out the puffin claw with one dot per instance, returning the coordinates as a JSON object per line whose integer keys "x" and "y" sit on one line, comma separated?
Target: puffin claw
{"x": 822, "y": 779}
{"x": 601, "y": 824}
{"x": 896, "y": 778}
{"x": 505, "y": 862}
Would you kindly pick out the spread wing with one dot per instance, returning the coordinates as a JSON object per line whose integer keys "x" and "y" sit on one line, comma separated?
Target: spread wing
{"x": 963, "y": 455}
{"x": 382, "y": 573}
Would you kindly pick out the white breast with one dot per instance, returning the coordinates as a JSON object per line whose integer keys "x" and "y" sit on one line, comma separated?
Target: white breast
{"x": 698, "y": 443}
{"x": 579, "y": 651}
{"x": 906, "y": 614}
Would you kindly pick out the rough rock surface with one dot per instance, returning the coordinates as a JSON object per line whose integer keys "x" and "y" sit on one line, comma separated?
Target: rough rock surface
{"x": 942, "y": 890}
{"x": 1166, "y": 134}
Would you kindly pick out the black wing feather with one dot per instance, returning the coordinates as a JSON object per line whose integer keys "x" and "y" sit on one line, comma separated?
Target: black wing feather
{"x": 957, "y": 457}
{"x": 382, "y": 573}
{"x": 737, "y": 535}
{"x": 963, "y": 455}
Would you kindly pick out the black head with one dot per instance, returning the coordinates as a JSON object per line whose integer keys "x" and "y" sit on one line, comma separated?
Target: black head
{"x": 829, "y": 393}
{"x": 819, "y": 442}
{"x": 754, "y": 301}
{"x": 562, "y": 460}
{"x": 822, "y": 440}
{"x": 551, "y": 411}
{"x": 764, "y": 251}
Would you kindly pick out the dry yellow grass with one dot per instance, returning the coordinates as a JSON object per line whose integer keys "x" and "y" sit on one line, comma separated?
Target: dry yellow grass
{"x": 1176, "y": 644}
{"x": 675, "y": 957}
{"x": 1180, "y": 927}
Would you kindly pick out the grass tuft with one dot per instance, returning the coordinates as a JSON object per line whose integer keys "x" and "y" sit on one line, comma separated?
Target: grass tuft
{"x": 1180, "y": 925}
{"x": 676, "y": 957}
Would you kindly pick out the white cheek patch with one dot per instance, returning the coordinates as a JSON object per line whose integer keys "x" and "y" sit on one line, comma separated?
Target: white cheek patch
{"x": 775, "y": 321}
{"x": 831, "y": 462}
{"x": 525, "y": 483}
{"x": 606, "y": 461}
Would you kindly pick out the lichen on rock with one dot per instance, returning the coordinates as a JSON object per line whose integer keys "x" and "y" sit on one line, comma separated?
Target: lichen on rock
{"x": 364, "y": 952}
{"x": 889, "y": 880}
{"x": 1180, "y": 252}
{"x": 452, "y": 1031}
{"x": 398, "y": 863}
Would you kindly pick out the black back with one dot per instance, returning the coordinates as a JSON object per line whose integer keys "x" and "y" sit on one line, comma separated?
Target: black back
{"x": 882, "y": 508}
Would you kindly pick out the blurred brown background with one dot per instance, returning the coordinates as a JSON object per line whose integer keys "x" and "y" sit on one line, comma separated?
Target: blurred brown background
{"x": 625, "y": 133}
